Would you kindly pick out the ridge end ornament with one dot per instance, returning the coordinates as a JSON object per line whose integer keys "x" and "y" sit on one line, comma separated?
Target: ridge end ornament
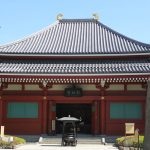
{"x": 59, "y": 16}
{"x": 96, "y": 16}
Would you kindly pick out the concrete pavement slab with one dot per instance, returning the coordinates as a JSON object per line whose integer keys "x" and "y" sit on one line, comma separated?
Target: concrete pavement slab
{"x": 59, "y": 147}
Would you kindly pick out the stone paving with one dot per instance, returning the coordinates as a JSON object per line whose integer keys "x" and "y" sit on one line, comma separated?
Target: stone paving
{"x": 59, "y": 147}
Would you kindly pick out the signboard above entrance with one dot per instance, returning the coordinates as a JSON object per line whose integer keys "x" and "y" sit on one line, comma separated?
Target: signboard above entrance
{"x": 73, "y": 92}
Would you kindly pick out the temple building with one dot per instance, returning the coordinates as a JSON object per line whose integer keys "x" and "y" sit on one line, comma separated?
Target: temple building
{"x": 77, "y": 67}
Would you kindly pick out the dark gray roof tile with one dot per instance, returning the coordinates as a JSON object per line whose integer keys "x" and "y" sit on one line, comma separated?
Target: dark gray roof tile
{"x": 74, "y": 66}
{"x": 75, "y": 37}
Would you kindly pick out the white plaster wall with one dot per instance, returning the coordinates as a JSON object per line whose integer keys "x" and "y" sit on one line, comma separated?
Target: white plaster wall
{"x": 32, "y": 87}
{"x": 85, "y": 87}
{"x": 14, "y": 87}
{"x": 116, "y": 87}
{"x": 135, "y": 87}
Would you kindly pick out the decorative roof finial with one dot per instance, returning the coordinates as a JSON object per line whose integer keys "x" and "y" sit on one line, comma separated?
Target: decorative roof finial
{"x": 59, "y": 16}
{"x": 96, "y": 16}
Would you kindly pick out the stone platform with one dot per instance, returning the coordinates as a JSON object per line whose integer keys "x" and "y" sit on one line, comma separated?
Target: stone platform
{"x": 81, "y": 138}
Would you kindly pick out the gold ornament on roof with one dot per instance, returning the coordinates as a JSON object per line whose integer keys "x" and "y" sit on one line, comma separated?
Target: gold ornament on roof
{"x": 96, "y": 16}
{"x": 59, "y": 16}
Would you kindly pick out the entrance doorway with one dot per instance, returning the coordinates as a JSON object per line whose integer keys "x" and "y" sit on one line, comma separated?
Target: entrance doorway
{"x": 83, "y": 111}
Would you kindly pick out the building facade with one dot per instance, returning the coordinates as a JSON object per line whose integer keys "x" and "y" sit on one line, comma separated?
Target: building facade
{"x": 76, "y": 67}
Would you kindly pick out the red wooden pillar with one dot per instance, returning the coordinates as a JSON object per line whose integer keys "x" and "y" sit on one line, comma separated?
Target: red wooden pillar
{"x": 44, "y": 122}
{"x": 103, "y": 115}
{"x": 102, "y": 111}
{"x": 50, "y": 104}
{"x": 96, "y": 117}
{"x": 102, "y": 108}
{"x": 51, "y": 117}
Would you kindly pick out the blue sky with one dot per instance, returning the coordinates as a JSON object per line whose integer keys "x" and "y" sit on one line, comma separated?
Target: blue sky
{"x": 20, "y": 18}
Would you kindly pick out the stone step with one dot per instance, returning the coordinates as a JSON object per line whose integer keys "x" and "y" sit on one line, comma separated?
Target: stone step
{"x": 80, "y": 141}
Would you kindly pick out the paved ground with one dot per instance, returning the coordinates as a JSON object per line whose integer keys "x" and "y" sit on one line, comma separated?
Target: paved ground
{"x": 58, "y": 147}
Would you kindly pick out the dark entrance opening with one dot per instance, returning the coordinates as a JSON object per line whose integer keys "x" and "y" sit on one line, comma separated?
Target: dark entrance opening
{"x": 83, "y": 111}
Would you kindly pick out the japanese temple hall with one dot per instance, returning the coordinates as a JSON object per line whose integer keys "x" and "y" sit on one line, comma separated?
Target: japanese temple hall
{"x": 76, "y": 67}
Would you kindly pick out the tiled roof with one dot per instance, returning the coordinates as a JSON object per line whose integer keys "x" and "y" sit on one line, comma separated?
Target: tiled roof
{"x": 75, "y": 37}
{"x": 74, "y": 67}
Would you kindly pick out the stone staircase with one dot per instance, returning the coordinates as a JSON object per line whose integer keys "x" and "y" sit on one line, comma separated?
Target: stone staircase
{"x": 81, "y": 138}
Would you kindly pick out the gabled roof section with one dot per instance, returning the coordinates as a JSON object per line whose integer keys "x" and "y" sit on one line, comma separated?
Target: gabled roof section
{"x": 76, "y": 37}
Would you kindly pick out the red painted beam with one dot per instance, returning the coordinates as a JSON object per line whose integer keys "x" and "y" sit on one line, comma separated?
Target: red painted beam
{"x": 125, "y": 98}
{"x": 77, "y": 76}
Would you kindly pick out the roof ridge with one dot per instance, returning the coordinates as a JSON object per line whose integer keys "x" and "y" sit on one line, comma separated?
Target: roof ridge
{"x": 78, "y": 20}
